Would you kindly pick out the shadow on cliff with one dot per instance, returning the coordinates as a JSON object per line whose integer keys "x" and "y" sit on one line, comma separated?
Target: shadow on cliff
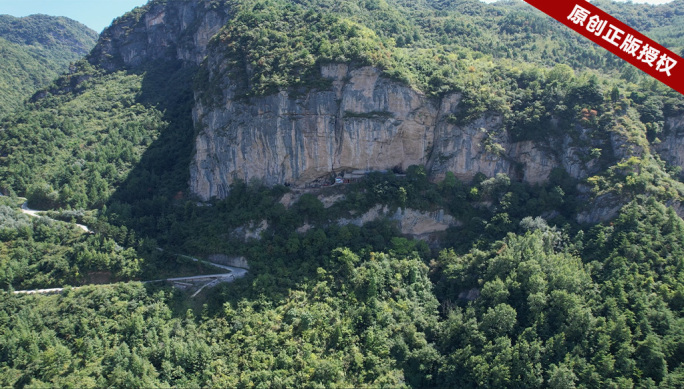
{"x": 162, "y": 174}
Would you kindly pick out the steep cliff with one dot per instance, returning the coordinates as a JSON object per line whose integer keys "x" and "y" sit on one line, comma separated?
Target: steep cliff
{"x": 411, "y": 222}
{"x": 160, "y": 30}
{"x": 482, "y": 146}
{"x": 671, "y": 147}
{"x": 363, "y": 121}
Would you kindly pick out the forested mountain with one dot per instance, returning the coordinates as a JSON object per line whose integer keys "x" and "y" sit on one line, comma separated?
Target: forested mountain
{"x": 35, "y": 50}
{"x": 509, "y": 212}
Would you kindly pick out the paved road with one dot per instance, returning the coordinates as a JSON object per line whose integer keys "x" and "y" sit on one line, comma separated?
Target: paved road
{"x": 213, "y": 279}
{"x": 40, "y": 291}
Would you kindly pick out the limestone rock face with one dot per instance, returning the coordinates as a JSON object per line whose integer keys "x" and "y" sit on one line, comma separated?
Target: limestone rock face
{"x": 422, "y": 224}
{"x": 174, "y": 30}
{"x": 463, "y": 151}
{"x": 411, "y": 222}
{"x": 603, "y": 208}
{"x": 362, "y": 122}
{"x": 671, "y": 147}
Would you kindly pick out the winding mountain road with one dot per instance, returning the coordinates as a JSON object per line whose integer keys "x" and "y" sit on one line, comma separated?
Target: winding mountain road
{"x": 34, "y": 212}
{"x": 212, "y": 279}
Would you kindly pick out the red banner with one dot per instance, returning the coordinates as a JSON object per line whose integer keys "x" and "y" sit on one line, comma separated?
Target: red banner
{"x": 618, "y": 38}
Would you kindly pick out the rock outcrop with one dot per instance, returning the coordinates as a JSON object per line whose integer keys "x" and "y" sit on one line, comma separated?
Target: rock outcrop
{"x": 173, "y": 30}
{"x": 671, "y": 147}
{"x": 603, "y": 208}
{"x": 250, "y": 231}
{"x": 411, "y": 222}
{"x": 364, "y": 121}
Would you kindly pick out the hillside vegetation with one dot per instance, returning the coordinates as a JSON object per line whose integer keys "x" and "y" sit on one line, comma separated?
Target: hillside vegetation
{"x": 35, "y": 50}
{"x": 517, "y": 293}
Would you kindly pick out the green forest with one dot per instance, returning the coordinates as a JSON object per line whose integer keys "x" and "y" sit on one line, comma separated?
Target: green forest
{"x": 520, "y": 293}
{"x": 34, "y": 51}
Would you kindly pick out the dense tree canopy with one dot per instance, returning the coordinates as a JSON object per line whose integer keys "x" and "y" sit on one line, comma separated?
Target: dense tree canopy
{"x": 550, "y": 312}
{"x": 36, "y": 49}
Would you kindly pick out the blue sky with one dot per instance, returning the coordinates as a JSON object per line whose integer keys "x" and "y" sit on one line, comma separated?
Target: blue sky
{"x": 96, "y": 14}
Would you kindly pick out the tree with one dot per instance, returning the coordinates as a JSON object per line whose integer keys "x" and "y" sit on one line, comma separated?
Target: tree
{"x": 560, "y": 73}
{"x": 42, "y": 196}
{"x": 650, "y": 358}
{"x": 402, "y": 197}
{"x": 561, "y": 377}
{"x": 615, "y": 94}
{"x": 499, "y": 321}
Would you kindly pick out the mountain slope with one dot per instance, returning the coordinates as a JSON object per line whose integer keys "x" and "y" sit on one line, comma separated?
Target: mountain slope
{"x": 36, "y": 49}
{"x": 350, "y": 97}
{"x": 540, "y": 178}
{"x": 282, "y": 92}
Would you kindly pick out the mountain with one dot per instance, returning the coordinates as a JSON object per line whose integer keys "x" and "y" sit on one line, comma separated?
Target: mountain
{"x": 379, "y": 87}
{"x": 426, "y": 193}
{"x": 35, "y": 50}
